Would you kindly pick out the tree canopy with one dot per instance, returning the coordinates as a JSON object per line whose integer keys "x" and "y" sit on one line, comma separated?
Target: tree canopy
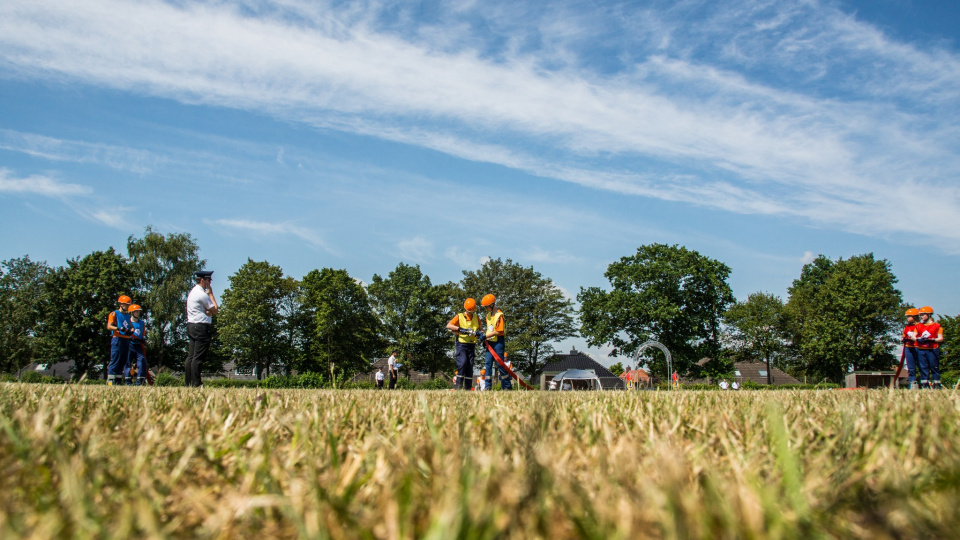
{"x": 251, "y": 323}
{"x": 413, "y": 313}
{"x": 843, "y": 315}
{"x": 346, "y": 334}
{"x": 667, "y": 293}
{"x": 755, "y": 328}
{"x": 22, "y": 291}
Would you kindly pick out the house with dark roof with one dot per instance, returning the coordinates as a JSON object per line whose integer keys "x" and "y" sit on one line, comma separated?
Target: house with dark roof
{"x": 757, "y": 372}
{"x": 559, "y": 363}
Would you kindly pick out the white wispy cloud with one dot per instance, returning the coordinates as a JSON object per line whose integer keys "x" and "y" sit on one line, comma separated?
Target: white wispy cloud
{"x": 39, "y": 185}
{"x": 265, "y": 229}
{"x": 789, "y": 108}
{"x": 117, "y": 157}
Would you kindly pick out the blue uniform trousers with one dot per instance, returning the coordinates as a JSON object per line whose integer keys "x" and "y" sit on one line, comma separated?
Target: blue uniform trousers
{"x": 911, "y": 356}
{"x": 929, "y": 362}
{"x": 466, "y": 353}
{"x": 119, "y": 351}
{"x": 499, "y": 346}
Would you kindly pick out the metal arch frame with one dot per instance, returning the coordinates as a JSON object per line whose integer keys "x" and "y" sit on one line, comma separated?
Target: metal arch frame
{"x": 651, "y": 343}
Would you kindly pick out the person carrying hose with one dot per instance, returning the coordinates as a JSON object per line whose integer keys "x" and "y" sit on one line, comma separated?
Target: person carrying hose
{"x": 910, "y": 345}
{"x": 495, "y": 335}
{"x": 466, "y": 326}
{"x": 929, "y": 338}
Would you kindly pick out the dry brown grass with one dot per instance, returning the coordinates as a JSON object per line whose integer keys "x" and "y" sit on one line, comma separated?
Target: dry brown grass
{"x": 81, "y": 461}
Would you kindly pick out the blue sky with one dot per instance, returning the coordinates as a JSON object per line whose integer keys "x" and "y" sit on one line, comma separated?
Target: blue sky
{"x": 358, "y": 135}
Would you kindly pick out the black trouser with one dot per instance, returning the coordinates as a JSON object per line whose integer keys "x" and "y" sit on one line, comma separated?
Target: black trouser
{"x": 393, "y": 379}
{"x": 466, "y": 353}
{"x": 199, "y": 334}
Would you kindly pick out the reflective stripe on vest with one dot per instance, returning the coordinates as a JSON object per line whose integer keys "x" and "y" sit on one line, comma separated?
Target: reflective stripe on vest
{"x": 492, "y": 324}
{"x": 473, "y": 325}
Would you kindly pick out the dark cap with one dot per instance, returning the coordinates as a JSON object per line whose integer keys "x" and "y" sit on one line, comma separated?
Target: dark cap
{"x": 203, "y": 274}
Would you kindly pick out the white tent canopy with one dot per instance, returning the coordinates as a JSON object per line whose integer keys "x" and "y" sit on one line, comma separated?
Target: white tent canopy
{"x": 577, "y": 379}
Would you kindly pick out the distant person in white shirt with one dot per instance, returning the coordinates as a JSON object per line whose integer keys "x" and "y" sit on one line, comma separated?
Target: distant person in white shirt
{"x": 724, "y": 385}
{"x": 379, "y": 377}
{"x": 735, "y": 385}
{"x": 392, "y": 369}
{"x": 201, "y": 307}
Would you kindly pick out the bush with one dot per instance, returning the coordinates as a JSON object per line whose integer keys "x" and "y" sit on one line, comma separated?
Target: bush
{"x": 311, "y": 380}
{"x": 405, "y": 384}
{"x": 435, "y": 384}
{"x": 166, "y": 379}
{"x": 34, "y": 377}
{"x": 949, "y": 377}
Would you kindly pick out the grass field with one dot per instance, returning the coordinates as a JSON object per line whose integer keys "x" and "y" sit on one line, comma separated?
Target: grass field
{"x": 81, "y": 461}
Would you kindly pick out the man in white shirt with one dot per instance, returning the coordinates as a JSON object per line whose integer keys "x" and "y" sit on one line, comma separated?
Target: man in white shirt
{"x": 379, "y": 377}
{"x": 392, "y": 369}
{"x": 201, "y": 307}
{"x": 724, "y": 384}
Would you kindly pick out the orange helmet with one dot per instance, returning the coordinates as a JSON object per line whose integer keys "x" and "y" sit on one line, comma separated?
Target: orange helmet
{"x": 134, "y": 307}
{"x": 483, "y": 371}
{"x": 926, "y": 309}
{"x": 124, "y": 299}
{"x": 487, "y": 300}
{"x": 470, "y": 304}
{"x": 912, "y": 312}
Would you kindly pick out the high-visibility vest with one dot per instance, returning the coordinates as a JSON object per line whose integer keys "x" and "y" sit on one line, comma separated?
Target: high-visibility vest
{"x": 122, "y": 322}
{"x": 492, "y": 324}
{"x": 139, "y": 330}
{"x": 472, "y": 325}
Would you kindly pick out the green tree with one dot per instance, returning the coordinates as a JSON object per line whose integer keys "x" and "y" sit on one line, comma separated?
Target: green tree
{"x": 250, "y": 322}
{"x": 413, "y": 316}
{"x": 163, "y": 267}
{"x": 667, "y": 293}
{"x": 755, "y": 329}
{"x": 843, "y": 315}
{"x": 535, "y": 310}
{"x": 617, "y": 369}
{"x": 21, "y": 299}
{"x": 950, "y": 348}
{"x": 345, "y": 335}
{"x": 79, "y": 297}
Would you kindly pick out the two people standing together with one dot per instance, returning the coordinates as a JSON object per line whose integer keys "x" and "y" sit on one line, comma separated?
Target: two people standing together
{"x": 128, "y": 360}
{"x": 922, "y": 337}
{"x": 467, "y": 328}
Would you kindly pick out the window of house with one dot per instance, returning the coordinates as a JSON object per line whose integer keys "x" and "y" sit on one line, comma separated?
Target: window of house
{"x": 737, "y": 372}
{"x": 762, "y": 372}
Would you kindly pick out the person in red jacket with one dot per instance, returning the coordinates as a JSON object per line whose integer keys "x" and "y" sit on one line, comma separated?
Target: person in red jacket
{"x": 929, "y": 338}
{"x": 910, "y": 345}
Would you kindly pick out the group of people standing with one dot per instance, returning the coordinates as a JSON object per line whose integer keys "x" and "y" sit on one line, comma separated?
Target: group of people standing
{"x": 922, "y": 337}
{"x": 128, "y": 354}
{"x": 466, "y": 326}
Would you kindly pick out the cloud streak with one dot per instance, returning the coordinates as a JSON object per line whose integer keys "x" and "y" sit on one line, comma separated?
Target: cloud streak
{"x": 266, "y": 229}
{"x": 792, "y": 109}
{"x": 39, "y": 185}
